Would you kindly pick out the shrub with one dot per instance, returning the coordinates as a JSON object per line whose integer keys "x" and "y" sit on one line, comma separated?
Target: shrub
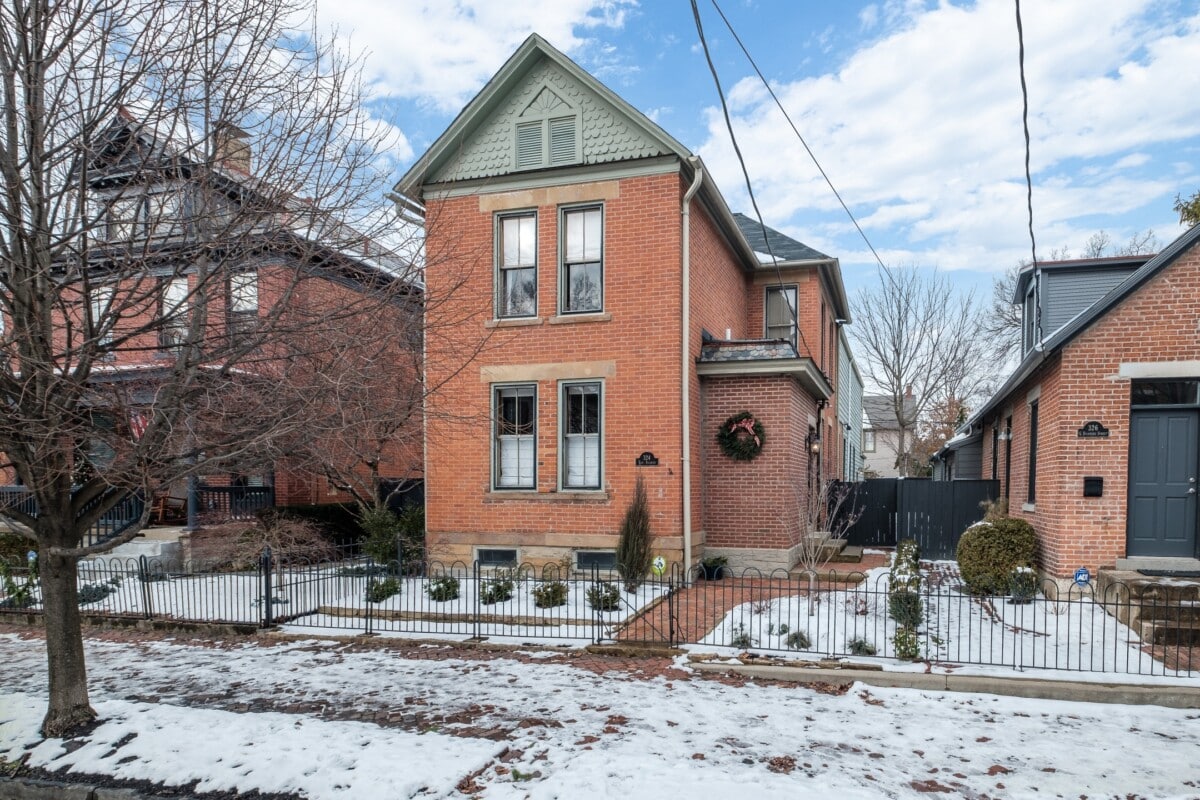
{"x": 442, "y": 588}
{"x": 239, "y": 545}
{"x": 633, "y": 548}
{"x": 740, "y": 637}
{"x": 550, "y": 595}
{"x": 905, "y": 607}
{"x": 988, "y": 552}
{"x": 95, "y": 592}
{"x": 381, "y": 535}
{"x": 380, "y": 590}
{"x": 337, "y": 522}
{"x": 496, "y": 590}
{"x": 16, "y": 596}
{"x": 15, "y": 548}
{"x": 861, "y": 647}
{"x": 798, "y": 640}
{"x": 604, "y": 597}
{"x": 906, "y": 643}
{"x": 1023, "y": 584}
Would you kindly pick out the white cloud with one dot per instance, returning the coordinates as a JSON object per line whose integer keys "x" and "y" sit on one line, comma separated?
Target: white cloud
{"x": 920, "y": 129}
{"x": 440, "y": 54}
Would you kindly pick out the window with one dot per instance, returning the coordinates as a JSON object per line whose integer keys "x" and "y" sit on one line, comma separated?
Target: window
{"x": 581, "y": 445}
{"x": 164, "y": 212}
{"x": 781, "y": 313}
{"x": 595, "y": 559}
{"x": 100, "y": 301}
{"x": 1159, "y": 393}
{"x": 1007, "y": 455}
{"x": 868, "y": 441}
{"x": 493, "y": 557}
{"x": 243, "y": 302}
{"x": 1029, "y": 319}
{"x": 516, "y": 427}
{"x": 582, "y": 278}
{"x": 173, "y": 311}
{"x": 125, "y": 218}
{"x": 1033, "y": 445}
{"x": 516, "y": 265}
{"x": 995, "y": 449}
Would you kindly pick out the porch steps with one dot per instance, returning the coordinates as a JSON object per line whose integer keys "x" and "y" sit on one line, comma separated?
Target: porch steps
{"x": 1161, "y": 610}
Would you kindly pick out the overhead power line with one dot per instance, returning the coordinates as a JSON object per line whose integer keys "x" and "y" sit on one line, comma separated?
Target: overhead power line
{"x": 1037, "y": 278}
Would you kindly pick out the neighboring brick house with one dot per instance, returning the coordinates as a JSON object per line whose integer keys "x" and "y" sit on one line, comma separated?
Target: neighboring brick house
{"x": 1095, "y": 437}
{"x": 139, "y": 293}
{"x": 629, "y": 315}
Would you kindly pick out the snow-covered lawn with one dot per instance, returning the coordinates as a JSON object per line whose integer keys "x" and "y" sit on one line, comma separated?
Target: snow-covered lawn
{"x": 1072, "y": 634}
{"x": 342, "y": 721}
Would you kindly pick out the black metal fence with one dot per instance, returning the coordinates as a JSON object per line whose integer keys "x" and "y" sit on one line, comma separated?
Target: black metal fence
{"x": 234, "y": 502}
{"x": 1101, "y": 629}
{"x": 935, "y": 513}
{"x": 111, "y": 523}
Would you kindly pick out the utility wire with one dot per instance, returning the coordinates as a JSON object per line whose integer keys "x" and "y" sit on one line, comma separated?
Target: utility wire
{"x": 793, "y": 310}
{"x": 796, "y": 131}
{"x": 1037, "y": 280}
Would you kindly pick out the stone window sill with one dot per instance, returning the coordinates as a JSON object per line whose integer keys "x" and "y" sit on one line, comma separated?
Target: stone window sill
{"x": 1028, "y": 507}
{"x": 566, "y": 319}
{"x": 594, "y": 496}
{"x": 519, "y": 322}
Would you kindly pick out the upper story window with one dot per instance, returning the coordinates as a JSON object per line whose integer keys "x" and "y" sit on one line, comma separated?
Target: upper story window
{"x": 516, "y": 265}
{"x": 1029, "y": 320}
{"x": 173, "y": 311}
{"x": 135, "y": 215}
{"x": 547, "y": 133}
{"x": 1031, "y": 494}
{"x": 100, "y": 300}
{"x": 868, "y": 441}
{"x": 243, "y": 302}
{"x": 781, "y": 313}
{"x": 581, "y": 281}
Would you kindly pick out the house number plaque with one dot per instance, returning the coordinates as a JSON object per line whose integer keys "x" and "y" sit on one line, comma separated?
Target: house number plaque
{"x": 647, "y": 459}
{"x": 1093, "y": 430}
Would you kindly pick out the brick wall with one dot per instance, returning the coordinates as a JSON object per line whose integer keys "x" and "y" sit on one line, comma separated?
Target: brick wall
{"x": 1158, "y": 323}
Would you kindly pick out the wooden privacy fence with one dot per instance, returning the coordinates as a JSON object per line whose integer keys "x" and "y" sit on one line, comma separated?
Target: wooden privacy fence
{"x": 934, "y": 513}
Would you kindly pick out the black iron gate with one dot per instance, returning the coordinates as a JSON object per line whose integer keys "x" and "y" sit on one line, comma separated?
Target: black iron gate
{"x": 935, "y": 513}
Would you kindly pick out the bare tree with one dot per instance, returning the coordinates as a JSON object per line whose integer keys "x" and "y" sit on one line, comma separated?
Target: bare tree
{"x": 136, "y": 351}
{"x": 920, "y": 343}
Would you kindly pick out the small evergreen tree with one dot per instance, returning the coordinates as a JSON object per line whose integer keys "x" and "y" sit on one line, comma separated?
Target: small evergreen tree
{"x": 633, "y": 549}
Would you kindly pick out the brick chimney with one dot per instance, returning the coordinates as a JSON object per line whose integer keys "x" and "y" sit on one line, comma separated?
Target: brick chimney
{"x": 232, "y": 147}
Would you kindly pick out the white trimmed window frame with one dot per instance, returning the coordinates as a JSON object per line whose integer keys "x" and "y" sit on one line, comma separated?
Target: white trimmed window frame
{"x": 567, "y": 260}
{"x": 506, "y": 264}
{"x": 583, "y": 443}
{"x": 509, "y": 446}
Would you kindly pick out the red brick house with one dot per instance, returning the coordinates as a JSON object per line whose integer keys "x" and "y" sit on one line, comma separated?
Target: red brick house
{"x": 276, "y": 278}
{"x": 1095, "y": 437}
{"x": 629, "y": 314}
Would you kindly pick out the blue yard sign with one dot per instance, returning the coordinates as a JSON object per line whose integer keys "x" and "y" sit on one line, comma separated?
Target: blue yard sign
{"x": 1082, "y": 576}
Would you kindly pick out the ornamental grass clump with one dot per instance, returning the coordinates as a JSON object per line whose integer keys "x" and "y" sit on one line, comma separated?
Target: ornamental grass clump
{"x": 990, "y": 551}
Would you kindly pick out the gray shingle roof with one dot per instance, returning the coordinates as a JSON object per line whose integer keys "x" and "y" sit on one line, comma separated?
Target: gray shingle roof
{"x": 748, "y": 350}
{"x": 785, "y": 248}
{"x": 881, "y": 412}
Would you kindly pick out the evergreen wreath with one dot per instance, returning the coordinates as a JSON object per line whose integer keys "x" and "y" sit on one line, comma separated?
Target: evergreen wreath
{"x": 741, "y": 436}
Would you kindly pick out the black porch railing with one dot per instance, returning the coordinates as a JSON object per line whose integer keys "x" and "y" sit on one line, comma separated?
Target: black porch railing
{"x": 234, "y": 502}
{"x": 114, "y": 522}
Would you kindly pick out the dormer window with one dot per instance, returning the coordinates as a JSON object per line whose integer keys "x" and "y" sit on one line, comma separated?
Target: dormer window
{"x": 133, "y": 216}
{"x": 547, "y": 133}
{"x": 1029, "y": 320}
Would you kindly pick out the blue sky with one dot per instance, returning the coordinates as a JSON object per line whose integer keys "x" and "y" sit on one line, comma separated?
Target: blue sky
{"x": 913, "y": 108}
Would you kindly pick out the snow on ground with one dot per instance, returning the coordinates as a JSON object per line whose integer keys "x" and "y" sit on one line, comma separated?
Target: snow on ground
{"x": 1074, "y": 633}
{"x": 326, "y": 719}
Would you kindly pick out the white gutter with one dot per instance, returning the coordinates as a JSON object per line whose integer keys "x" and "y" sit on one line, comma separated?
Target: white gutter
{"x": 685, "y": 361}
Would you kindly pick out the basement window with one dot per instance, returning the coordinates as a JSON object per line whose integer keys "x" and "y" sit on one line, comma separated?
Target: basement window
{"x": 595, "y": 559}
{"x": 493, "y": 557}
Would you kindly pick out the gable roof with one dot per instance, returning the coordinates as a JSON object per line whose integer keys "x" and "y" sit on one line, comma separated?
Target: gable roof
{"x": 1084, "y": 320}
{"x": 496, "y": 91}
{"x": 881, "y": 412}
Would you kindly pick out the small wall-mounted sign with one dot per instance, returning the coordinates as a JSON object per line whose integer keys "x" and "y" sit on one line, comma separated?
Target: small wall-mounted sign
{"x": 1093, "y": 430}
{"x": 647, "y": 459}
{"x": 1082, "y": 576}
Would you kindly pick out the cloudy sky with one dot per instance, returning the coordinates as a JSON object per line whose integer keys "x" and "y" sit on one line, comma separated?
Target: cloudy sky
{"x": 913, "y": 108}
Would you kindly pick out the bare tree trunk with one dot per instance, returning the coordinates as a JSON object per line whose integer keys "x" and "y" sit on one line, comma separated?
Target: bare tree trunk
{"x": 69, "y": 706}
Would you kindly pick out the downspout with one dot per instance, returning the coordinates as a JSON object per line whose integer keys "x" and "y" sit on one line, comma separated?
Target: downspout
{"x": 685, "y": 361}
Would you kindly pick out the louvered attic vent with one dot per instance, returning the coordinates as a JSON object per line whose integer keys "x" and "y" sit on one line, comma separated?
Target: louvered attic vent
{"x": 550, "y": 142}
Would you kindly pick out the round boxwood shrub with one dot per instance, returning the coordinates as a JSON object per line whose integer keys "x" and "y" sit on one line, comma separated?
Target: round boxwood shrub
{"x": 988, "y": 552}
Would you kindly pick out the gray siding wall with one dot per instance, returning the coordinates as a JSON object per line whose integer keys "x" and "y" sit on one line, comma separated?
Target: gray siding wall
{"x": 1068, "y": 292}
{"x": 968, "y": 461}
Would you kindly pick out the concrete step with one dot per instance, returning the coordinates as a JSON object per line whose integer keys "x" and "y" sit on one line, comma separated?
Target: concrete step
{"x": 1170, "y": 632}
{"x": 850, "y": 554}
